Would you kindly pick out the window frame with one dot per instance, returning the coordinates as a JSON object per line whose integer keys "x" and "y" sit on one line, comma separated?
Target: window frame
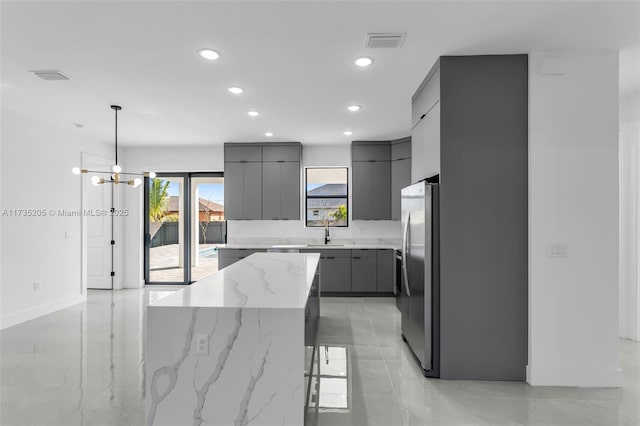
{"x": 306, "y": 197}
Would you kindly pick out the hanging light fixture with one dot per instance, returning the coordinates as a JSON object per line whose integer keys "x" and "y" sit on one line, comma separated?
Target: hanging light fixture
{"x": 116, "y": 173}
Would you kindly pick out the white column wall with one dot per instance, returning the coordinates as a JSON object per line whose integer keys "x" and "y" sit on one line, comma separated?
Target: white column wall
{"x": 629, "y": 217}
{"x": 573, "y": 199}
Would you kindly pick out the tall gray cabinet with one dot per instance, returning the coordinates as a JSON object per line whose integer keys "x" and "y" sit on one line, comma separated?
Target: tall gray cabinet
{"x": 262, "y": 181}
{"x": 470, "y": 126}
{"x": 400, "y": 172}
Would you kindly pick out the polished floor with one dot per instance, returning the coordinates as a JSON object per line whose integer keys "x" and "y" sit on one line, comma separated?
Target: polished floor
{"x": 85, "y": 366}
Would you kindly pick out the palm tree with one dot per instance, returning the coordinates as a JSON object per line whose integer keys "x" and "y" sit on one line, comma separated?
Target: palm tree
{"x": 158, "y": 199}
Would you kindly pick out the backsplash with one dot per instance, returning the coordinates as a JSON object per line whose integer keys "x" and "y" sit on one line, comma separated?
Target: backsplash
{"x": 239, "y": 231}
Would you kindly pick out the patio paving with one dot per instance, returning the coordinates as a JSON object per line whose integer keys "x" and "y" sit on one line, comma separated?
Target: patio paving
{"x": 163, "y": 264}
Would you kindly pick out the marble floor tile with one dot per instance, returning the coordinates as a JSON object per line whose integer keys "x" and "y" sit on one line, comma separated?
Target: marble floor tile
{"x": 85, "y": 366}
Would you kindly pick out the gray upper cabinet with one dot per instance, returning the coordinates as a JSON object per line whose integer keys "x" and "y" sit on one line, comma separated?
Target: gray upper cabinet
{"x": 370, "y": 151}
{"x": 400, "y": 172}
{"x": 371, "y": 180}
{"x": 401, "y": 149}
{"x": 281, "y": 153}
{"x": 262, "y": 181}
{"x": 281, "y": 182}
{"x": 243, "y": 195}
{"x": 243, "y": 153}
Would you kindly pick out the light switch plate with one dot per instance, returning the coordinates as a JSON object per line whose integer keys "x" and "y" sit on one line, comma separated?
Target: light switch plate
{"x": 557, "y": 250}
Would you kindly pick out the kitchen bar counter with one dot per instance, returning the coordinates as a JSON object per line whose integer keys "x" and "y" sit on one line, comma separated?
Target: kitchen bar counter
{"x": 230, "y": 349}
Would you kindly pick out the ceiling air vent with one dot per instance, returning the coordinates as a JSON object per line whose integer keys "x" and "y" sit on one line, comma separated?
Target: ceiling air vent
{"x": 50, "y": 75}
{"x": 384, "y": 40}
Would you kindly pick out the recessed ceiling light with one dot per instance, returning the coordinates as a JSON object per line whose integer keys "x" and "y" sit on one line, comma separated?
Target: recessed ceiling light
{"x": 209, "y": 54}
{"x": 268, "y": 134}
{"x": 363, "y": 62}
{"x": 235, "y": 90}
{"x": 348, "y": 133}
{"x": 253, "y": 113}
{"x": 354, "y": 108}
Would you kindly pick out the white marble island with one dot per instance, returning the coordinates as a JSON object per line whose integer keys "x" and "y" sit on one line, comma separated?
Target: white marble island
{"x": 252, "y": 371}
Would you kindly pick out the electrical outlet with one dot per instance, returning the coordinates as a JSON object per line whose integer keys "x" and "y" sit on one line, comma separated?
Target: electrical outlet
{"x": 36, "y": 285}
{"x": 557, "y": 250}
{"x": 202, "y": 344}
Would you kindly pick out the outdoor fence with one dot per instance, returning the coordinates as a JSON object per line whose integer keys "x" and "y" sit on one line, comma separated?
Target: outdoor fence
{"x": 168, "y": 233}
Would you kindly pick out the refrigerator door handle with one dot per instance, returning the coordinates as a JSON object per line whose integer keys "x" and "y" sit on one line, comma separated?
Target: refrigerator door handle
{"x": 405, "y": 248}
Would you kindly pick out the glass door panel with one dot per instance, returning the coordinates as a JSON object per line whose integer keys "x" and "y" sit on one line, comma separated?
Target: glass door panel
{"x": 165, "y": 236}
{"x": 208, "y": 226}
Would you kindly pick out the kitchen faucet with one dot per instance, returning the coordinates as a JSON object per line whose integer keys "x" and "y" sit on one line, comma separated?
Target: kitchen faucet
{"x": 327, "y": 238}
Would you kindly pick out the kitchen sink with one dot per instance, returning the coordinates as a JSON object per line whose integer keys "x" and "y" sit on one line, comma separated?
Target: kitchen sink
{"x": 325, "y": 245}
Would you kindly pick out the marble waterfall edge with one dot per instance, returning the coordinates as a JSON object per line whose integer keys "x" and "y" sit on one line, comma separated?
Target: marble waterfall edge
{"x": 253, "y": 372}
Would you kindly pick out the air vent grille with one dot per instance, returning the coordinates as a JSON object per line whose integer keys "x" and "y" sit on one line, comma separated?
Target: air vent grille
{"x": 50, "y": 75}
{"x": 386, "y": 40}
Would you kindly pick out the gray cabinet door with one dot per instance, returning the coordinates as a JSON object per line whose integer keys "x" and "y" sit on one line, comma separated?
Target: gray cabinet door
{"x": 381, "y": 190}
{"x": 384, "y": 267}
{"x": 363, "y": 274}
{"x": 240, "y": 153}
{"x": 275, "y": 153}
{"x": 290, "y": 190}
{"x": 281, "y": 190}
{"x": 371, "y": 182}
{"x": 370, "y": 151}
{"x": 271, "y": 190}
{"x": 401, "y": 150}
{"x": 233, "y": 192}
{"x": 336, "y": 274}
{"x": 400, "y": 178}
{"x": 251, "y": 190}
{"x": 361, "y": 190}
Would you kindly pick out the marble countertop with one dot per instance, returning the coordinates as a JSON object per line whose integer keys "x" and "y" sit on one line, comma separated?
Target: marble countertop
{"x": 370, "y": 243}
{"x": 262, "y": 280}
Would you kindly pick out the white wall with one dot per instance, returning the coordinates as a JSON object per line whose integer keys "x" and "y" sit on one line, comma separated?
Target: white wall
{"x": 35, "y": 173}
{"x": 211, "y": 158}
{"x": 629, "y": 217}
{"x": 573, "y": 190}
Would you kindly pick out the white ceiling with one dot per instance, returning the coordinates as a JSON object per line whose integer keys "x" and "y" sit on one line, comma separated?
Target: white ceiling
{"x": 294, "y": 60}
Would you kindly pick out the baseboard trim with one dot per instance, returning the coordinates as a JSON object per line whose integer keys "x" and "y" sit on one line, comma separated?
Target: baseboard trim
{"x": 19, "y": 317}
{"x": 587, "y": 378}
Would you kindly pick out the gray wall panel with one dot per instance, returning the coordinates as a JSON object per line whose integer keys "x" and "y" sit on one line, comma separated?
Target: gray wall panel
{"x": 484, "y": 239}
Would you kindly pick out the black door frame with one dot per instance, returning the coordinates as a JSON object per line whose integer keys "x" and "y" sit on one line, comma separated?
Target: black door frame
{"x": 187, "y": 176}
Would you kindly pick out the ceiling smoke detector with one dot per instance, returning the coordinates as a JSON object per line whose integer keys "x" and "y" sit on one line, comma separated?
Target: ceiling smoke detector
{"x": 50, "y": 75}
{"x": 392, "y": 40}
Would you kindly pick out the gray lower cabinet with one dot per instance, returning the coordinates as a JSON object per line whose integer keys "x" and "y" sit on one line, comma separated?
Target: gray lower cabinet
{"x": 335, "y": 275}
{"x": 363, "y": 271}
{"x": 281, "y": 190}
{"x": 384, "y": 268}
{"x": 371, "y": 182}
{"x": 243, "y": 191}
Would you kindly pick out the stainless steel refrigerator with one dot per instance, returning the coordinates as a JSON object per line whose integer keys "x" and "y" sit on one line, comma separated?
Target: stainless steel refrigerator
{"x": 420, "y": 297}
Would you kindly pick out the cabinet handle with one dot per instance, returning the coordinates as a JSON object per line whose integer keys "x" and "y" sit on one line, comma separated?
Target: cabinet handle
{"x": 280, "y": 161}
{"x": 371, "y": 161}
{"x": 356, "y": 257}
{"x": 423, "y": 116}
{"x": 331, "y": 257}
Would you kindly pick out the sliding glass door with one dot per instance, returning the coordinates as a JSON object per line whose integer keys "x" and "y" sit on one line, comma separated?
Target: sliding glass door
{"x": 184, "y": 223}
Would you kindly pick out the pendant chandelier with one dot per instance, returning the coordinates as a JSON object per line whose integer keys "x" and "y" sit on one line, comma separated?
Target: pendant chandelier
{"x": 116, "y": 174}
